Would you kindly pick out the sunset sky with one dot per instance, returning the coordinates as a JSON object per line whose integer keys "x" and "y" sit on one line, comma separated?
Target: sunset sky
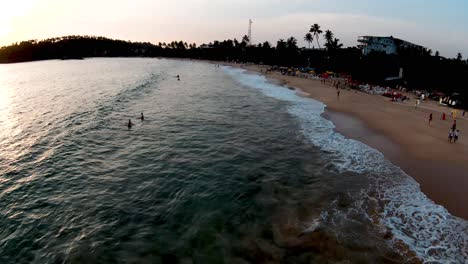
{"x": 439, "y": 25}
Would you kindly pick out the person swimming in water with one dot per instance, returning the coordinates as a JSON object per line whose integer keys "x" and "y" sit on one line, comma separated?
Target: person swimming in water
{"x": 142, "y": 117}
{"x": 130, "y": 124}
{"x": 178, "y": 77}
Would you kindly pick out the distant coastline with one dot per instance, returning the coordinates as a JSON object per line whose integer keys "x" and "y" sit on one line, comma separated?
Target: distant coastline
{"x": 418, "y": 68}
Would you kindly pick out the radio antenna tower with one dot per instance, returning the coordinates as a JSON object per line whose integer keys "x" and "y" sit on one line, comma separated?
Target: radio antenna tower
{"x": 250, "y": 31}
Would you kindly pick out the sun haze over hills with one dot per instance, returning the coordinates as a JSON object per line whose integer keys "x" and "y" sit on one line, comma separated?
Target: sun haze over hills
{"x": 202, "y": 21}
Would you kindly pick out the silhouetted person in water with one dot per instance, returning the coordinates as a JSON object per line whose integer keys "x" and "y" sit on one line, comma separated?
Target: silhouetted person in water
{"x": 178, "y": 77}
{"x": 130, "y": 124}
{"x": 142, "y": 117}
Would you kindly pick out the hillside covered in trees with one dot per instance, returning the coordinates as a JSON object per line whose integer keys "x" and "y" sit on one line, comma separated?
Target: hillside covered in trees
{"x": 422, "y": 69}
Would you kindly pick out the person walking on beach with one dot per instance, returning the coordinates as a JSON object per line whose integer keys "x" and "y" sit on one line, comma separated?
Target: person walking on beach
{"x": 450, "y": 136}
{"x": 454, "y": 126}
{"x": 430, "y": 118}
{"x": 338, "y": 94}
{"x": 417, "y": 104}
{"x": 455, "y": 136}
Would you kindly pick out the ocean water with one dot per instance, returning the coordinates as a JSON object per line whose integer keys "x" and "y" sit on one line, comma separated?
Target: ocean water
{"x": 226, "y": 168}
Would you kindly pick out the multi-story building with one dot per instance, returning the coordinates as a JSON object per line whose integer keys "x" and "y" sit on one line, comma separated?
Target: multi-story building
{"x": 389, "y": 45}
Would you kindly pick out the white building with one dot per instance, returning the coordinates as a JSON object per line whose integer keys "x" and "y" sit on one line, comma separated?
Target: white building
{"x": 206, "y": 46}
{"x": 389, "y": 45}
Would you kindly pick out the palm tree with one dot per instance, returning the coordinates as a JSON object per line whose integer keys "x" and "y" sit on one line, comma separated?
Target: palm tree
{"x": 332, "y": 42}
{"x": 329, "y": 36}
{"x": 245, "y": 39}
{"x": 309, "y": 38}
{"x": 335, "y": 44}
{"x": 316, "y": 31}
{"x": 291, "y": 43}
{"x": 266, "y": 45}
{"x": 229, "y": 44}
{"x": 181, "y": 45}
{"x": 281, "y": 44}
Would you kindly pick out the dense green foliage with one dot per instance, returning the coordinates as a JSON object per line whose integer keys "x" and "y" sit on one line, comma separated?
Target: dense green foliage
{"x": 422, "y": 70}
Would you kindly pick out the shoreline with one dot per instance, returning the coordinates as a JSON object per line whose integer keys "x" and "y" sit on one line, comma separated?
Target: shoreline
{"x": 399, "y": 132}
{"x": 425, "y": 173}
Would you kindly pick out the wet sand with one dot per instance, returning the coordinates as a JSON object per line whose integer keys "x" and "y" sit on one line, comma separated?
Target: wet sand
{"x": 402, "y": 134}
{"x": 436, "y": 178}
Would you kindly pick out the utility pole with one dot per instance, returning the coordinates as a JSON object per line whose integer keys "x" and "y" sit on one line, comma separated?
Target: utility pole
{"x": 250, "y": 32}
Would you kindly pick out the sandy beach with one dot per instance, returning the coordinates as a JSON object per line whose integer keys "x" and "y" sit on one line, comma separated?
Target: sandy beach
{"x": 402, "y": 133}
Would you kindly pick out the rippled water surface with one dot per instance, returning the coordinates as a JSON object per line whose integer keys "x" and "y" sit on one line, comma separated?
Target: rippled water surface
{"x": 225, "y": 168}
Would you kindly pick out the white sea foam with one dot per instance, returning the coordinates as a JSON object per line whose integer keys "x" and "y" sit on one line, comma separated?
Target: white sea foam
{"x": 427, "y": 228}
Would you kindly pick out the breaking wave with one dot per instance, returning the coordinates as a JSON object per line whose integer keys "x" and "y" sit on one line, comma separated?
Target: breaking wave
{"x": 415, "y": 222}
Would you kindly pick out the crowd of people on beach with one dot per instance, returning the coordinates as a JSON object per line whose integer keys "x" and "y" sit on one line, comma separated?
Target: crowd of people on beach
{"x": 342, "y": 81}
{"x": 396, "y": 94}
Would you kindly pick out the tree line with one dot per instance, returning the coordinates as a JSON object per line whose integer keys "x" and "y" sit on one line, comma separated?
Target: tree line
{"x": 423, "y": 70}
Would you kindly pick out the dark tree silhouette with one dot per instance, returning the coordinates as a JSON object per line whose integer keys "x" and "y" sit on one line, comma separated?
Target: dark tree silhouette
{"x": 309, "y": 38}
{"x": 245, "y": 39}
{"x": 291, "y": 43}
{"x": 422, "y": 70}
{"x": 316, "y": 31}
{"x": 329, "y": 36}
{"x": 333, "y": 45}
{"x": 280, "y": 45}
{"x": 266, "y": 45}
